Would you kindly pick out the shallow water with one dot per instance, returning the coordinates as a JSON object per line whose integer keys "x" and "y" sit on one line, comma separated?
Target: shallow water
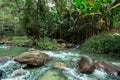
{"x": 49, "y": 72}
{"x": 11, "y": 50}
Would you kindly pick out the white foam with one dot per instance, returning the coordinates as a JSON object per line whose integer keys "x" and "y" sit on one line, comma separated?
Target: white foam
{"x": 19, "y": 77}
{"x": 100, "y": 74}
{"x": 7, "y": 64}
{"x": 22, "y": 77}
{"x": 60, "y": 55}
{"x": 4, "y": 47}
{"x": 73, "y": 75}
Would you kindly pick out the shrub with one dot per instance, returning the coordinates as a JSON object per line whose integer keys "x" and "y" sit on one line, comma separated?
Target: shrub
{"x": 104, "y": 43}
{"x": 19, "y": 40}
{"x": 46, "y": 43}
{"x": 22, "y": 41}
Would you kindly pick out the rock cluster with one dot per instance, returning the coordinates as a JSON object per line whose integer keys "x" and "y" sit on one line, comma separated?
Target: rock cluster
{"x": 109, "y": 68}
{"x": 87, "y": 65}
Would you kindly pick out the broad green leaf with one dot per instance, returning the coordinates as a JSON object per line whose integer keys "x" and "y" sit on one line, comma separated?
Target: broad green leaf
{"x": 77, "y": 2}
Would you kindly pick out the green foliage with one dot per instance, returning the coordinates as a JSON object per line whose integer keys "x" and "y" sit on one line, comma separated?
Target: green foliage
{"x": 104, "y": 43}
{"x": 46, "y": 43}
{"x": 19, "y": 40}
{"x": 9, "y": 16}
{"x": 42, "y": 43}
{"x": 81, "y": 18}
{"x": 85, "y": 17}
{"x": 37, "y": 19}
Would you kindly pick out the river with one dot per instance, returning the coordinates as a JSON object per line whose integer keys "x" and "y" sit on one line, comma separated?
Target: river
{"x": 49, "y": 71}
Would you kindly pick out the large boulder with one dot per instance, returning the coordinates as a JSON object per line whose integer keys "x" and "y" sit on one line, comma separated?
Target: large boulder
{"x": 109, "y": 68}
{"x": 86, "y": 65}
{"x": 33, "y": 58}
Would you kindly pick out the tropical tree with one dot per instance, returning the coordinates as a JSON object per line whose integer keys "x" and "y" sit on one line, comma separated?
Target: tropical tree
{"x": 84, "y": 18}
{"x": 36, "y": 18}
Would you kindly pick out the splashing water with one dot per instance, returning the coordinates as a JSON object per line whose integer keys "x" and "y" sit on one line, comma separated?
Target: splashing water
{"x": 100, "y": 74}
{"x": 72, "y": 74}
{"x": 69, "y": 72}
{"x": 60, "y": 54}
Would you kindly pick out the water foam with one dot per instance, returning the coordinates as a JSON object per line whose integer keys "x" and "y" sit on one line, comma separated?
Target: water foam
{"x": 61, "y": 54}
{"x": 4, "y": 47}
{"x": 23, "y": 77}
{"x": 9, "y": 67}
{"x": 72, "y": 74}
{"x": 100, "y": 74}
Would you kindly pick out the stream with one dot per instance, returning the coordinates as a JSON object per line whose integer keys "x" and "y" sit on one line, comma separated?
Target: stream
{"x": 12, "y": 70}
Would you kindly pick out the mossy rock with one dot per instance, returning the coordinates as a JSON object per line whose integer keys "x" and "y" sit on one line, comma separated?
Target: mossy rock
{"x": 52, "y": 75}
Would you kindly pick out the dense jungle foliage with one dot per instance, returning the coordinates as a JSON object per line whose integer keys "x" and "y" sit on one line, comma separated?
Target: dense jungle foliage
{"x": 72, "y": 20}
{"x": 105, "y": 43}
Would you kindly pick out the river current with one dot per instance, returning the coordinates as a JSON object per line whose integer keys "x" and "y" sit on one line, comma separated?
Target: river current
{"x": 15, "y": 71}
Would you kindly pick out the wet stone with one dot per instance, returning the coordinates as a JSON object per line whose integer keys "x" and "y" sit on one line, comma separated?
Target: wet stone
{"x": 32, "y": 58}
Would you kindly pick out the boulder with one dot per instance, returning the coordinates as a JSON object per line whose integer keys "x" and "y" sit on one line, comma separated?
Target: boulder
{"x": 33, "y": 58}
{"x": 109, "y": 68}
{"x": 86, "y": 65}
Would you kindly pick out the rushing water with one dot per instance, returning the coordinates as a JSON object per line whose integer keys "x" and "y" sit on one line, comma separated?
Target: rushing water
{"x": 15, "y": 71}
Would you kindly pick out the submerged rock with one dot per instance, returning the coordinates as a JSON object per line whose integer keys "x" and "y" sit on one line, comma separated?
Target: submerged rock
{"x": 33, "y": 58}
{"x": 109, "y": 68}
{"x": 59, "y": 65}
{"x": 86, "y": 65}
{"x": 52, "y": 75}
{"x": 17, "y": 73}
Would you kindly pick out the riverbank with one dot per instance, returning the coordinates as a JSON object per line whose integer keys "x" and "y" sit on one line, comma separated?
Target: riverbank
{"x": 43, "y": 43}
